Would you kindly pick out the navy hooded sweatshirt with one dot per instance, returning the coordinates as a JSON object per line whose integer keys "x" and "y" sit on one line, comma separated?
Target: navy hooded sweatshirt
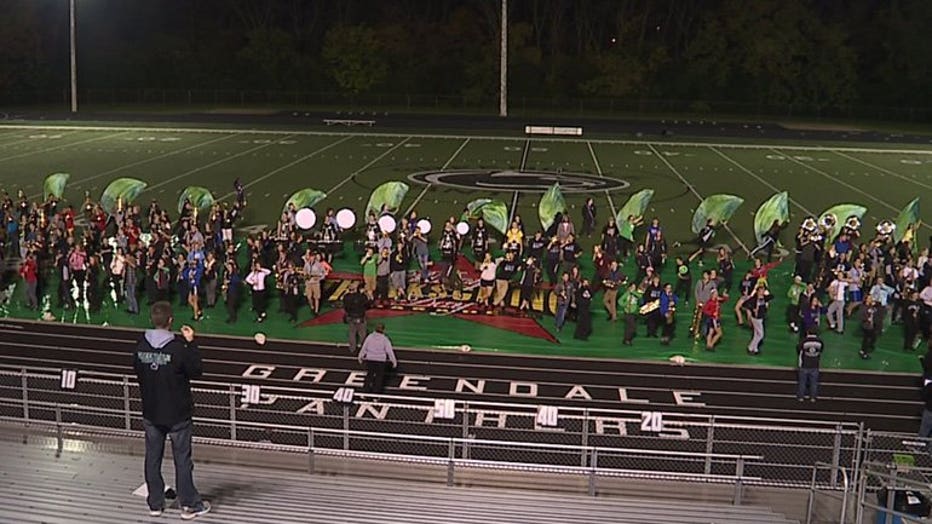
{"x": 165, "y": 366}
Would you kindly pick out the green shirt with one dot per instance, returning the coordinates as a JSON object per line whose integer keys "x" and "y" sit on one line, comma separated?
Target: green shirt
{"x": 631, "y": 302}
{"x": 795, "y": 291}
{"x": 370, "y": 266}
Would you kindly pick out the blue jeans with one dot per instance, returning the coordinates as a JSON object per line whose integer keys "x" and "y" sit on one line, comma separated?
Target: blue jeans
{"x": 422, "y": 261}
{"x": 807, "y": 381}
{"x": 180, "y": 435}
{"x": 560, "y": 315}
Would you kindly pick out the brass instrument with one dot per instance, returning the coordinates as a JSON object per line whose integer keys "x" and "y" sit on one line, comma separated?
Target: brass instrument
{"x": 828, "y": 222}
{"x": 886, "y": 228}
{"x": 650, "y": 307}
{"x": 853, "y": 223}
{"x": 694, "y": 325}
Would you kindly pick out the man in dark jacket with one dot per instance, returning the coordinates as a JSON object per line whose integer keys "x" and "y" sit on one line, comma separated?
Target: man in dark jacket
{"x": 164, "y": 368}
{"x": 809, "y": 353}
{"x": 355, "y": 304}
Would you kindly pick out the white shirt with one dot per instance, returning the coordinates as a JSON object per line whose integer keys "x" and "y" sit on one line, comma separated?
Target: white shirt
{"x": 488, "y": 271}
{"x": 839, "y": 287}
{"x": 256, "y": 279}
{"x": 926, "y": 295}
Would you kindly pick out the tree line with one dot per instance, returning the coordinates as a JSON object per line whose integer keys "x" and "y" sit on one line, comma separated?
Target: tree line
{"x": 813, "y": 53}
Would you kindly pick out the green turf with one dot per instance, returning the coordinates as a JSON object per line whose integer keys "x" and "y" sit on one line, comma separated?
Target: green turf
{"x": 348, "y": 167}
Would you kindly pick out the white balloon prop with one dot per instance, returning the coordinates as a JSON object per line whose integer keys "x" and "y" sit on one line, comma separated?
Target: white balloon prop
{"x": 346, "y": 219}
{"x": 424, "y": 225}
{"x": 387, "y": 223}
{"x": 462, "y": 228}
{"x": 305, "y": 218}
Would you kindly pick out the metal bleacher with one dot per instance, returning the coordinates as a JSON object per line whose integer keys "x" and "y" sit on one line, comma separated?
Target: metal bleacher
{"x": 93, "y": 483}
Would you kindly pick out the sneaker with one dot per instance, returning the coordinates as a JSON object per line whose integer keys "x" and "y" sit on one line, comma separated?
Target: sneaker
{"x": 155, "y": 512}
{"x": 813, "y": 399}
{"x": 864, "y": 355}
{"x": 194, "y": 512}
{"x": 800, "y": 399}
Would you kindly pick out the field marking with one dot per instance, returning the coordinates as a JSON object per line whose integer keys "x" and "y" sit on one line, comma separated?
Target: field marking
{"x": 828, "y": 149}
{"x": 14, "y": 141}
{"x": 286, "y": 166}
{"x": 56, "y": 148}
{"x": 696, "y": 193}
{"x": 885, "y": 170}
{"x": 761, "y": 180}
{"x": 207, "y": 166}
{"x": 367, "y": 166}
{"x": 524, "y": 155}
{"x": 443, "y": 168}
{"x": 853, "y": 188}
{"x": 79, "y": 182}
{"x": 598, "y": 170}
{"x": 514, "y": 209}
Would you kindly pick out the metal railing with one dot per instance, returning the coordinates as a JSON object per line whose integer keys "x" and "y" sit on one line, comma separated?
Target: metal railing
{"x": 685, "y": 446}
{"x": 890, "y": 478}
{"x": 816, "y": 489}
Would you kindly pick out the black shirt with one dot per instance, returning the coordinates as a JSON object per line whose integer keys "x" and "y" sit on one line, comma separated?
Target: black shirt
{"x": 355, "y": 305}
{"x": 507, "y": 270}
{"x": 809, "y": 351}
{"x": 164, "y": 375}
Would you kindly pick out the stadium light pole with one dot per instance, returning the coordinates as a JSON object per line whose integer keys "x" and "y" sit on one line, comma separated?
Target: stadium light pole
{"x": 503, "y": 64}
{"x": 74, "y": 61}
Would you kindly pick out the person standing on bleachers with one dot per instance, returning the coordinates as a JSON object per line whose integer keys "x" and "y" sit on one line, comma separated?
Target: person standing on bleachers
{"x": 809, "y": 353}
{"x": 164, "y": 368}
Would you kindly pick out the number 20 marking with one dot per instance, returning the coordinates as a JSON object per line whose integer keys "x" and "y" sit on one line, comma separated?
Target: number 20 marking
{"x": 651, "y": 421}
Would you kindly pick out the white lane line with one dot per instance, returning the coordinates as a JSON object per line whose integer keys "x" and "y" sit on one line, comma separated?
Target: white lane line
{"x": 288, "y": 165}
{"x": 367, "y": 166}
{"x": 428, "y": 186}
{"x": 63, "y": 146}
{"x": 694, "y": 192}
{"x": 514, "y": 209}
{"x": 502, "y": 137}
{"x": 598, "y": 169}
{"x": 883, "y": 169}
{"x": 208, "y": 166}
{"x": 81, "y": 181}
{"x": 759, "y": 179}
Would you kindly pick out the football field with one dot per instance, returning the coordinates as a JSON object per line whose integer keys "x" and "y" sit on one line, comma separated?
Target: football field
{"x": 445, "y": 172}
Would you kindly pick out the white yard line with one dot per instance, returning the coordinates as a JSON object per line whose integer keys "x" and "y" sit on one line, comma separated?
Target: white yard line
{"x": 79, "y": 182}
{"x": 23, "y": 140}
{"x": 286, "y": 166}
{"x": 63, "y": 146}
{"x": 208, "y": 166}
{"x": 524, "y": 155}
{"x": 482, "y": 137}
{"x": 514, "y": 209}
{"x": 428, "y": 186}
{"x": 883, "y": 169}
{"x": 759, "y": 179}
{"x": 367, "y": 166}
{"x": 598, "y": 170}
{"x": 696, "y": 193}
{"x": 842, "y": 182}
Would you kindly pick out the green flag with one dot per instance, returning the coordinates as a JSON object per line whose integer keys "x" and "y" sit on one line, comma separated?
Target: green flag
{"x": 841, "y": 212}
{"x": 54, "y": 185}
{"x": 121, "y": 190}
{"x": 200, "y": 198}
{"x": 305, "y": 198}
{"x": 718, "y": 208}
{"x": 495, "y": 214}
{"x": 907, "y": 220}
{"x": 636, "y": 205}
{"x": 774, "y": 209}
{"x": 474, "y": 208}
{"x": 551, "y": 204}
{"x": 387, "y": 197}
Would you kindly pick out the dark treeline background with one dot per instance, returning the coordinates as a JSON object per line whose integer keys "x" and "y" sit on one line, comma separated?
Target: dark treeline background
{"x": 821, "y": 54}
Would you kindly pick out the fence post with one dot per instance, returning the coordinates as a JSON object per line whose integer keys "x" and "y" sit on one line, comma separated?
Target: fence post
{"x": 836, "y": 455}
{"x": 811, "y": 502}
{"x": 891, "y": 496}
{"x": 858, "y": 451}
{"x": 345, "y": 427}
{"x": 310, "y": 450}
{"x": 25, "y": 384}
{"x": 232, "y": 413}
{"x": 585, "y": 438}
{"x": 126, "y": 420}
{"x": 58, "y": 428}
{"x": 709, "y": 445}
{"x": 593, "y": 464}
{"x": 451, "y": 454}
{"x": 465, "y": 452}
{"x": 739, "y": 475}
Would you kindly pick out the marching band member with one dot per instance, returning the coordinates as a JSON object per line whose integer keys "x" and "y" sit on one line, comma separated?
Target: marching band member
{"x": 769, "y": 240}
{"x": 369, "y": 263}
{"x": 612, "y": 280}
{"x": 712, "y": 311}
{"x": 488, "y": 269}
{"x": 480, "y": 241}
{"x": 530, "y": 277}
{"x": 871, "y": 326}
{"x": 256, "y": 280}
{"x": 610, "y": 241}
{"x": 651, "y": 307}
{"x": 506, "y": 270}
{"x": 563, "y": 290}
{"x": 583, "y": 315}
{"x": 588, "y": 215}
{"x": 399, "y": 272}
{"x": 667, "y": 312}
{"x": 757, "y": 306}
{"x": 630, "y": 306}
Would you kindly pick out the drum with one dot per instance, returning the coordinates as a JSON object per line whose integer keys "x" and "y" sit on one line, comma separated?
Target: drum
{"x": 305, "y": 218}
{"x": 387, "y": 223}
{"x": 462, "y": 228}
{"x": 424, "y": 226}
{"x": 346, "y": 218}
